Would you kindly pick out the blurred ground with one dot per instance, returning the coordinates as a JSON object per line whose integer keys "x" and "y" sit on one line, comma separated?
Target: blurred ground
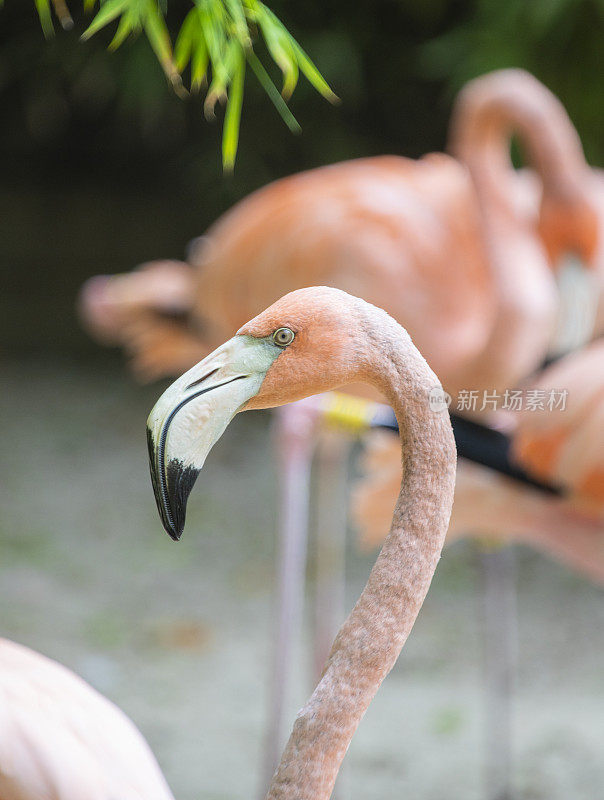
{"x": 178, "y": 635}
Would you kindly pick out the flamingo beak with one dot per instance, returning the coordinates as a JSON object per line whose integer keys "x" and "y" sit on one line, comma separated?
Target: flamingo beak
{"x": 193, "y": 413}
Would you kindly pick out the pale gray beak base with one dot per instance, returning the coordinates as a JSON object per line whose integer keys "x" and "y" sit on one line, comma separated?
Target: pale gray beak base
{"x": 171, "y": 478}
{"x": 192, "y": 415}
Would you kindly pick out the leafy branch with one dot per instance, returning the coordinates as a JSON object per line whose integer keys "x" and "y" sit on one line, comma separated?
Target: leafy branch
{"x": 216, "y": 43}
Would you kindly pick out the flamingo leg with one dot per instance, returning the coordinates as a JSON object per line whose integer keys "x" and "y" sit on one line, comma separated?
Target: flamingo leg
{"x": 294, "y": 436}
{"x": 331, "y": 493}
{"x": 331, "y": 503}
{"x": 500, "y": 621}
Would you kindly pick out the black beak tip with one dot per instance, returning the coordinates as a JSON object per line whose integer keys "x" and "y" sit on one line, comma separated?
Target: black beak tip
{"x": 179, "y": 482}
{"x": 171, "y": 490}
{"x": 173, "y": 533}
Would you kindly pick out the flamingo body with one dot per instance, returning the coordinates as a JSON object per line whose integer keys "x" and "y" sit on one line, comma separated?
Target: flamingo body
{"x": 561, "y": 446}
{"x": 386, "y": 228}
{"x": 61, "y": 740}
{"x": 565, "y": 444}
{"x": 461, "y": 251}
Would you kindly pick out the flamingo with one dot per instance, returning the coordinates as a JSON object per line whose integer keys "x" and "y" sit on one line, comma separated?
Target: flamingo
{"x": 489, "y": 507}
{"x": 62, "y": 740}
{"x": 310, "y": 341}
{"x": 559, "y": 446}
{"x": 461, "y": 251}
{"x": 565, "y": 446}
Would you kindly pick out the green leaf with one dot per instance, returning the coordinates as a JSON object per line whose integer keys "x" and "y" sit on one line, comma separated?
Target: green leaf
{"x": 129, "y": 23}
{"x": 159, "y": 39}
{"x": 199, "y": 62}
{"x": 107, "y": 13}
{"x": 279, "y": 46}
{"x": 222, "y": 72}
{"x": 312, "y": 73}
{"x": 43, "y": 9}
{"x": 213, "y": 31}
{"x": 232, "y": 118}
{"x": 237, "y": 13}
{"x": 290, "y": 74}
{"x": 273, "y": 93}
{"x": 88, "y": 5}
{"x": 185, "y": 40}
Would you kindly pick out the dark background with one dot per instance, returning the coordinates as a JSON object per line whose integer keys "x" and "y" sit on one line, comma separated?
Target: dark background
{"x": 103, "y": 167}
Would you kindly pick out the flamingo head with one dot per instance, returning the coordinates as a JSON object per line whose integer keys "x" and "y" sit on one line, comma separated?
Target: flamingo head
{"x": 309, "y": 341}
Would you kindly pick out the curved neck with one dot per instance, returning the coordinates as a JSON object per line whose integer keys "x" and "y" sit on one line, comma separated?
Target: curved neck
{"x": 371, "y": 639}
{"x": 489, "y": 110}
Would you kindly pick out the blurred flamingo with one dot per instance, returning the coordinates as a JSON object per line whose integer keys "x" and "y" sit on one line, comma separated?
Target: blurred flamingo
{"x": 461, "y": 252}
{"x": 563, "y": 446}
{"x": 62, "y": 740}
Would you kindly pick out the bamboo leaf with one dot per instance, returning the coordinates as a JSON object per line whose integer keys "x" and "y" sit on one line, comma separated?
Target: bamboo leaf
{"x": 107, "y": 13}
{"x": 251, "y": 9}
{"x": 159, "y": 39}
{"x": 273, "y": 93}
{"x": 279, "y": 46}
{"x": 222, "y": 72}
{"x": 128, "y": 24}
{"x": 199, "y": 63}
{"x": 232, "y": 119}
{"x": 214, "y": 34}
{"x": 43, "y": 9}
{"x": 237, "y": 13}
{"x": 312, "y": 73}
{"x": 290, "y": 76}
{"x": 185, "y": 40}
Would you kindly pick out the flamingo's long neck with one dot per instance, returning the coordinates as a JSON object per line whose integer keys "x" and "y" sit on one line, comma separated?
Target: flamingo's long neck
{"x": 493, "y": 108}
{"x": 371, "y": 639}
{"x": 487, "y": 113}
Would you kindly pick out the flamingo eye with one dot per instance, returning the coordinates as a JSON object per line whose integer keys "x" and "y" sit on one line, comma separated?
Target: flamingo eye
{"x": 282, "y": 337}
